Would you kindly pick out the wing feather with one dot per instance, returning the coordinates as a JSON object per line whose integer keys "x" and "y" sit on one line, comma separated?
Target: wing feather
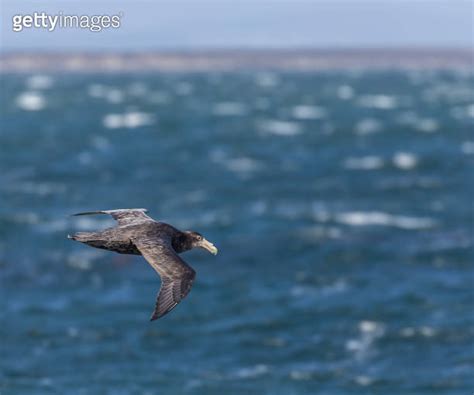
{"x": 176, "y": 276}
{"x": 126, "y": 216}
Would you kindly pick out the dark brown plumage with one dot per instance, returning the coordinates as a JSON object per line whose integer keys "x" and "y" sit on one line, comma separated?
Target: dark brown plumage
{"x": 159, "y": 243}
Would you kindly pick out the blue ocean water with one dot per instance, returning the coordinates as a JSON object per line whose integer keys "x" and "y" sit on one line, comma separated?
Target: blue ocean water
{"x": 341, "y": 204}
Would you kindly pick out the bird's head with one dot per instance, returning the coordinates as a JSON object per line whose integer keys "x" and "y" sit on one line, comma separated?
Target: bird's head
{"x": 195, "y": 239}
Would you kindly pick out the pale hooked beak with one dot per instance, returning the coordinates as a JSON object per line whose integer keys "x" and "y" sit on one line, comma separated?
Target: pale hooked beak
{"x": 208, "y": 246}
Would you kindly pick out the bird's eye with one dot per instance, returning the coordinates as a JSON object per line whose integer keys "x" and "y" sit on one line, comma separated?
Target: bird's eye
{"x": 199, "y": 237}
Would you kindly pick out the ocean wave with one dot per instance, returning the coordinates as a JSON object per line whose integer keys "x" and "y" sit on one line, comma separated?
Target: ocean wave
{"x": 316, "y": 233}
{"x": 367, "y": 126}
{"x": 467, "y": 147}
{"x": 371, "y": 218}
{"x": 463, "y": 112}
{"x": 424, "y": 331}
{"x": 410, "y": 118}
{"x": 305, "y": 112}
{"x": 183, "y": 88}
{"x": 364, "y": 163}
{"x": 129, "y": 120}
{"x": 427, "y": 125}
{"x": 100, "y": 143}
{"x": 39, "y": 81}
{"x": 363, "y": 380}
{"x": 369, "y": 332}
{"x": 405, "y": 160}
{"x": 251, "y": 372}
{"x": 381, "y": 102}
{"x": 137, "y": 89}
{"x": 96, "y": 90}
{"x": 299, "y": 375}
{"x": 37, "y": 188}
{"x": 267, "y": 80}
{"x": 345, "y": 92}
{"x": 31, "y": 101}
{"x": 224, "y": 109}
{"x": 108, "y": 93}
{"x": 279, "y": 128}
{"x": 242, "y": 165}
{"x": 28, "y": 218}
{"x": 337, "y": 287}
{"x": 115, "y": 96}
{"x": 84, "y": 259}
{"x": 159, "y": 97}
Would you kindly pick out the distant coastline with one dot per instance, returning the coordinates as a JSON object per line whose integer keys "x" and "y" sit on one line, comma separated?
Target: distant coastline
{"x": 237, "y": 60}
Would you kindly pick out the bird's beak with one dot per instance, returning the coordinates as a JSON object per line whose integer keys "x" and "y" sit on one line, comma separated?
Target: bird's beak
{"x": 208, "y": 246}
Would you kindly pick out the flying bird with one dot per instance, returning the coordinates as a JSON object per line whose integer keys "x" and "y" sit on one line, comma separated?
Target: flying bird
{"x": 159, "y": 243}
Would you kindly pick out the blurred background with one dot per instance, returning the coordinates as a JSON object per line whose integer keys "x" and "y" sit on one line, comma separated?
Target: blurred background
{"x": 326, "y": 148}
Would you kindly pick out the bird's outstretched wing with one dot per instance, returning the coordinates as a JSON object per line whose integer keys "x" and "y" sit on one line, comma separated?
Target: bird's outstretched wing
{"x": 176, "y": 276}
{"x": 125, "y": 216}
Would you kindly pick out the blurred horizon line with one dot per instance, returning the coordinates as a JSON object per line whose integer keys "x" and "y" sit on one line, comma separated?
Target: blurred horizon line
{"x": 239, "y": 58}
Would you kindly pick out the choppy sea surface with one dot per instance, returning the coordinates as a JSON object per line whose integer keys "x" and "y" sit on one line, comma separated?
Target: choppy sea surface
{"x": 341, "y": 203}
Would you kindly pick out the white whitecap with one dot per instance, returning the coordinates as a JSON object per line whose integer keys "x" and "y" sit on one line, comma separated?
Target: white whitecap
{"x": 369, "y": 326}
{"x": 259, "y": 207}
{"x": 96, "y": 90}
{"x": 381, "y": 102}
{"x": 267, "y": 80}
{"x": 228, "y": 109}
{"x": 371, "y": 218}
{"x": 427, "y": 331}
{"x": 114, "y": 96}
{"x": 137, "y": 119}
{"x": 128, "y": 120}
{"x": 345, "y": 92}
{"x": 369, "y": 331}
{"x": 427, "y": 125}
{"x": 470, "y": 111}
{"x": 364, "y": 163}
{"x": 405, "y": 160}
{"x": 318, "y": 232}
{"x": 300, "y": 375}
{"x": 305, "y": 112}
{"x": 363, "y": 380}
{"x": 242, "y": 165}
{"x": 408, "y": 332}
{"x": 31, "y": 101}
{"x": 280, "y": 128}
{"x": 100, "y": 143}
{"x": 252, "y": 372}
{"x": 467, "y": 147}
{"x": 113, "y": 121}
{"x": 39, "y": 81}
{"x": 367, "y": 126}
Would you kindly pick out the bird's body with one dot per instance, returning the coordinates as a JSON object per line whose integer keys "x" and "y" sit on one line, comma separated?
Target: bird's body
{"x": 159, "y": 243}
